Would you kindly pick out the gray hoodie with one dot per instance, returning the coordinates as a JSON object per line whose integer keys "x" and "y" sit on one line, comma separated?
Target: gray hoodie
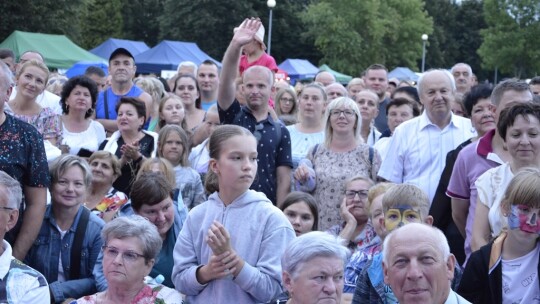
{"x": 259, "y": 234}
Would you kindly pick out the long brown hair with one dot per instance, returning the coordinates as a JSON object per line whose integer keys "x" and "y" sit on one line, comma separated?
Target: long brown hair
{"x": 220, "y": 135}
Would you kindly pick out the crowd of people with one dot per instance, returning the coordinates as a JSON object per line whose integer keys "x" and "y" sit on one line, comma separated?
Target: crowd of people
{"x": 227, "y": 186}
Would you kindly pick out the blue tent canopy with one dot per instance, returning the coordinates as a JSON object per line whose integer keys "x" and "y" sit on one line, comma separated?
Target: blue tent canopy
{"x": 403, "y": 74}
{"x": 105, "y": 49}
{"x": 168, "y": 54}
{"x": 80, "y": 67}
{"x": 299, "y": 69}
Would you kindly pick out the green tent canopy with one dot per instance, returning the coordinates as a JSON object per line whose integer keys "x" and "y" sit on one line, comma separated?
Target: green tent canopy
{"x": 58, "y": 51}
{"x": 341, "y": 78}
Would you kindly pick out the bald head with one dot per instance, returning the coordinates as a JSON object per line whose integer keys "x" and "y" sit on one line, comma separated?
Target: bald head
{"x": 326, "y": 78}
{"x": 27, "y": 56}
{"x": 335, "y": 90}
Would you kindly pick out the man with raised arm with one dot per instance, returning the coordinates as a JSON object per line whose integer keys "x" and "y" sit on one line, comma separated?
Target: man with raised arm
{"x": 274, "y": 144}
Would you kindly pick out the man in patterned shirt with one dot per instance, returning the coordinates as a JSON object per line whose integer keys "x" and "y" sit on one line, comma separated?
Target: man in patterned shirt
{"x": 18, "y": 282}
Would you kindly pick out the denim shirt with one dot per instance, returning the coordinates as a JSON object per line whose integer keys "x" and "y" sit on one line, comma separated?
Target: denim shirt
{"x": 179, "y": 219}
{"x": 45, "y": 253}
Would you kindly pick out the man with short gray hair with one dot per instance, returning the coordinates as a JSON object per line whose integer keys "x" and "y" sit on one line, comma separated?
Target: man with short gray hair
{"x": 19, "y": 282}
{"x": 420, "y": 145}
{"x": 421, "y": 273}
{"x": 463, "y": 76}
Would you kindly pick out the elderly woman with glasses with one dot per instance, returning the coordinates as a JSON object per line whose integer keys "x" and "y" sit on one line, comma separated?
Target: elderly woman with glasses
{"x": 132, "y": 245}
{"x": 342, "y": 156}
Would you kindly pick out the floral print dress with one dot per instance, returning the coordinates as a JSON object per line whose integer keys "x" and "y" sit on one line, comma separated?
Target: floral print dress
{"x": 158, "y": 294}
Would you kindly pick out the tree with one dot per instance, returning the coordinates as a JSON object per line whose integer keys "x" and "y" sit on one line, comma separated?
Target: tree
{"x": 469, "y": 22}
{"x": 102, "y": 20}
{"x": 354, "y": 34}
{"x": 141, "y": 20}
{"x": 511, "y": 41}
{"x": 442, "y": 48}
{"x": 44, "y": 16}
{"x": 209, "y": 23}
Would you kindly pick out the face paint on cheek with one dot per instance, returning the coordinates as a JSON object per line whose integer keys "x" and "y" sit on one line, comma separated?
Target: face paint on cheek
{"x": 526, "y": 222}
{"x": 399, "y": 216}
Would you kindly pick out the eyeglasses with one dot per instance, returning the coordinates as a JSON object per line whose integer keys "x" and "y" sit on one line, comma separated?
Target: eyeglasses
{"x": 127, "y": 256}
{"x": 7, "y": 208}
{"x": 257, "y": 133}
{"x": 347, "y": 113}
{"x": 362, "y": 194}
{"x": 286, "y": 100}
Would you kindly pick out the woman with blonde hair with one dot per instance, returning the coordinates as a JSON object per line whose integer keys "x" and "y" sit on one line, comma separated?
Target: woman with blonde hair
{"x": 156, "y": 90}
{"x": 31, "y": 80}
{"x": 342, "y": 155}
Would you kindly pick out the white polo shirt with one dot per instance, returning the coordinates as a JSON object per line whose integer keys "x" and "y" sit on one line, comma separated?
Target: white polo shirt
{"x": 418, "y": 148}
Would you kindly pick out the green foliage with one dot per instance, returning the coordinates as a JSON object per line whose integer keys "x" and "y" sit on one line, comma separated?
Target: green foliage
{"x": 511, "y": 41}
{"x": 44, "y": 16}
{"x": 141, "y": 20}
{"x": 208, "y": 22}
{"x": 469, "y": 22}
{"x": 102, "y": 20}
{"x": 442, "y": 48}
{"x": 354, "y": 34}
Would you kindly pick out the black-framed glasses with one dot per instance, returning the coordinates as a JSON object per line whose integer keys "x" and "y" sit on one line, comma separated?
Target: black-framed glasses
{"x": 337, "y": 113}
{"x": 362, "y": 194}
{"x": 258, "y": 129}
{"x": 7, "y": 208}
{"x": 128, "y": 256}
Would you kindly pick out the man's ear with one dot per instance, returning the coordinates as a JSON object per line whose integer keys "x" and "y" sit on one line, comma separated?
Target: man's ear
{"x": 385, "y": 272}
{"x": 13, "y": 217}
{"x": 429, "y": 220}
{"x": 450, "y": 266}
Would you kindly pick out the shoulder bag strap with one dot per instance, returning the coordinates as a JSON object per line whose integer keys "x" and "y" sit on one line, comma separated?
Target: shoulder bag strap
{"x": 76, "y": 247}
{"x": 105, "y": 93}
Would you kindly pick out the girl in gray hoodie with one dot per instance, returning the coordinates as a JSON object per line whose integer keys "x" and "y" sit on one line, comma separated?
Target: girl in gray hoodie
{"x": 230, "y": 247}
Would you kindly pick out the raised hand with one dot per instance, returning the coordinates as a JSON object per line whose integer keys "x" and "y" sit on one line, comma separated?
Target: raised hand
{"x": 245, "y": 33}
{"x": 345, "y": 212}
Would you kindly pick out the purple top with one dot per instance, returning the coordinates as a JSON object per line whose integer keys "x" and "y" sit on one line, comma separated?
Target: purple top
{"x": 472, "y": 161}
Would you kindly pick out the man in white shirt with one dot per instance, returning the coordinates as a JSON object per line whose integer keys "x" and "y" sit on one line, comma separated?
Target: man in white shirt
{"x": 419, "y": 146}
{"x": 45, "y": 99}
{"x": 421, "y": 273}
{"x": 18, "y": 282}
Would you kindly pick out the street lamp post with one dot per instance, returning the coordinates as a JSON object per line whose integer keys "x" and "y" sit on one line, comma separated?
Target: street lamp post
{"x": 424, "y": 40}
{"x": 271, "y": 4}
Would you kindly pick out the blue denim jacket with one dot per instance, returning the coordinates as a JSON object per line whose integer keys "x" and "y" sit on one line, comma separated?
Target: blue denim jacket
{"x": 179, "y": 219}
{"x": 45, "y": 253}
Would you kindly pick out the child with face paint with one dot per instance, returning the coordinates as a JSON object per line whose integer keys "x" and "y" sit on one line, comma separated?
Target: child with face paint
{"x": 506, "y": 269}
{"x": 402, "y": 204}
{"x": 358, "y": 260}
